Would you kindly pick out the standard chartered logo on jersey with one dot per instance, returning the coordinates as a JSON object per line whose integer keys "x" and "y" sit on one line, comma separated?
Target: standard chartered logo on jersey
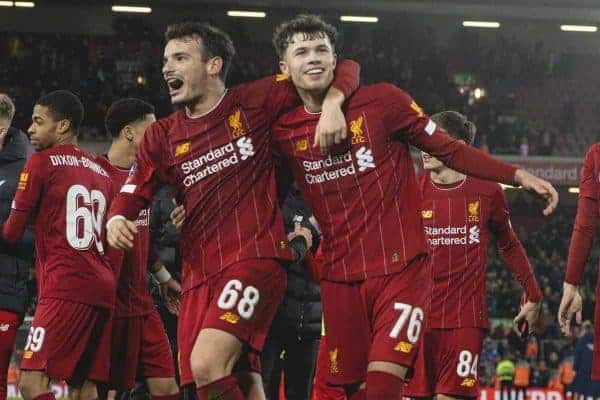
{"x": 452, "y": 235}
{"x": 364, "y": 159}
{"x": 216, "y": 160}
{"x": 338, "y": 166}
{"x": 474, "y": 234}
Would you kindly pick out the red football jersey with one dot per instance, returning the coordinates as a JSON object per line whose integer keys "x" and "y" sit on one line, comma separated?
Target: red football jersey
{"x": 582, "y": 239}
{"x": 220, "y": 168}
{"x": 66, "y": 194}
{"x": 366, "y": 197}
{"x": 458, "y": 220}
{"x": 133, "y": 296}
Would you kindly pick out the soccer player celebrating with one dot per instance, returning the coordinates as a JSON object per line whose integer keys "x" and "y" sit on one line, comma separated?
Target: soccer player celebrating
{"x": 584, "y": 231}
{"x": 376, "y": 274}
{"x": 216, "y": 154}
{"x": 139, "y": 347}
{"x": 459, "y": 212}
{"x": 65, "y": 193}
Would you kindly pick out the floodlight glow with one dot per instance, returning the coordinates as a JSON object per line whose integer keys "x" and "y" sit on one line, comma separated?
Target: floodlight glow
{"x": 578, "y": 28}
{"x": 481, "y": 24}
{"x": 246, "y": 14}
{"x": 131, "y": 9}
{"x": 358, "y": 18}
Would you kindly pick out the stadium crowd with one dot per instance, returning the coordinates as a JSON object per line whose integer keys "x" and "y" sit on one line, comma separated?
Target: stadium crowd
{"x": 508, "y": 114}
{"x": 514, "y": 78}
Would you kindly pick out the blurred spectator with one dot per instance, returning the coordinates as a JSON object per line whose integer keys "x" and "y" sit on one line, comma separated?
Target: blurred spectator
{"x": 583, "y": 386}
{"x": 522, "y": 379}
{"x": 540, "y": 375}
{"x": 532, "y": 349}
{"x": 505, "y": 373}
{"x": 567, "y": 374}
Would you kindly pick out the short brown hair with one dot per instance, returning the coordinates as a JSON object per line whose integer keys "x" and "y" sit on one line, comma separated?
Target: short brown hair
{"x": 7, "y": 108}
{"x": 311, "y": 25}
{"x": 217, "y": 43}
{"x": 457, "y": 125}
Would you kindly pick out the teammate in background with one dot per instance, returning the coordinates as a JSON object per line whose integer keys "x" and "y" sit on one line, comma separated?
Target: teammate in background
{"x": 66, "y": 194}
{"x": 459, "y": 213}
{"x": 15, "y": 261}
{"x": 366, "y": 200}
{"x": 215, "y": 152}
{"x": 139, "y": 345}
{"x": 584, "y": 231}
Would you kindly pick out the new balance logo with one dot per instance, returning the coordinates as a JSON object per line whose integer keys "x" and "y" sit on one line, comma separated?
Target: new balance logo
{"x": 246, "y": 147}
{"x": 4, "y": 327}
{"x": 364, "y": 159}
{"x": 474, "y": 234}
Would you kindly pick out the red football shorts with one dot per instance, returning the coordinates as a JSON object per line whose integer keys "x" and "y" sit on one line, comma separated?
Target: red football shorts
{"x": 378, "y": 319}
{"x": 447, "y": 363}
{"x": 321, "y": 389}
{"x": 596, "y": 354}
{"x": 140, "y": 349}
{"x": 9, "y": 324}
{"x": 69, "y": 341}
{"x": 241, "y": 300}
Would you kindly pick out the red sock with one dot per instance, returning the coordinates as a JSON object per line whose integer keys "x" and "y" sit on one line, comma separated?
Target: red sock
{"x": 175, "y": 396}
{"x": 383, "y": 386}
{"x": 360, "y": 395}
{"x": 224, "y": 389}
{"x": 45, "y": 396}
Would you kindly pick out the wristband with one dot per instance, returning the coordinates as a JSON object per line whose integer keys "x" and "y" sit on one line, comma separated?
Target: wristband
{"x": 162, "y": 275}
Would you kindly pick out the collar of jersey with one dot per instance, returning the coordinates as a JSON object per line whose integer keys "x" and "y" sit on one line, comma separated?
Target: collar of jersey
{"x": 204, "y": 114}
{"x": 450, "y": 186}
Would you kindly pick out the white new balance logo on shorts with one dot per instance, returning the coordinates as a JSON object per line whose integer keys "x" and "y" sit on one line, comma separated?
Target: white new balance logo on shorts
{"x": 246, "y": 147}
{"x": 364, "y": 159}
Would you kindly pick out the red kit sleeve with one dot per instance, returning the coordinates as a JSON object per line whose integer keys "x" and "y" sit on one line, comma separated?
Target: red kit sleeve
{"x": 402, "y": 114}
{"x": 27, "y": 197}
{"x": 510, "y": 248}
{"x": 140, "y": 186}
{"x": 584, "y": 228}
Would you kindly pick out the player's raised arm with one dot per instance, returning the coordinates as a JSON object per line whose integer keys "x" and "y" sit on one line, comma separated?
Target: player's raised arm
{"x": 136, "y": 193}
{"x": 582, "y": 238}
{"x": 402, "y": 114}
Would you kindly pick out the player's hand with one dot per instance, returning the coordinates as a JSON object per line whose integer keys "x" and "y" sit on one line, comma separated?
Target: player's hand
{"x": 3, "y": 133}
{"x": 571, "y": 305}
{"x": 331, "y": 128}
{"x": 542, "y": 188}
{"x": 120, "y": 233}
{"x": 178, "y": 217}
{"x": 530, "y": 313}
{"x": 301, "y": 231}
{"x": 171, "y": 294}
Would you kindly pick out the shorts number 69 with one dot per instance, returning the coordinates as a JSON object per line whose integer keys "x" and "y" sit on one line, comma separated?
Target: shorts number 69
{"x": 35, "y": 339}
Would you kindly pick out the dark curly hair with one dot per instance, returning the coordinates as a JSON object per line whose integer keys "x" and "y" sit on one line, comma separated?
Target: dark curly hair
{"x": 312, "y": 26}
